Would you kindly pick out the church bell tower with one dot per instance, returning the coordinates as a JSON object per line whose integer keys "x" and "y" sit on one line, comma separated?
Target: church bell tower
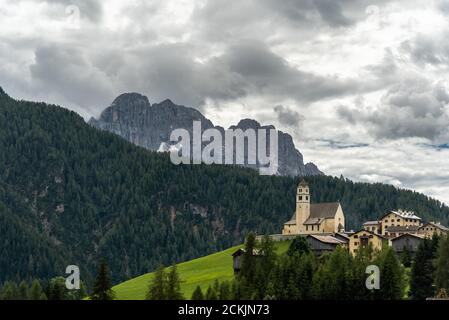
{"x": 302, "y": 205}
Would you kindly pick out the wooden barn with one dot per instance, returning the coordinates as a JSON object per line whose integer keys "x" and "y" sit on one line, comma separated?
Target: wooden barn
{"x": 320, "y": 244}
{"x": 407, "y": 240}
{"x": 237, "y": 258}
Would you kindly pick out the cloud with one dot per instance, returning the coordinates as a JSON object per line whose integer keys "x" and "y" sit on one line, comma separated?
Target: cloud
{"x": 414, "y": 108}
{"x": 287, "y": 116}
{"x": 67, "y": 72}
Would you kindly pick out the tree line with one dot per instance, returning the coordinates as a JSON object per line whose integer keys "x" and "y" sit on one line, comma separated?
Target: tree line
{"x": 301, "y": 275}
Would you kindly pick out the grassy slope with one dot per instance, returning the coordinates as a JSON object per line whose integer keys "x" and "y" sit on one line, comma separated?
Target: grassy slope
{"x": 202, "y": 271}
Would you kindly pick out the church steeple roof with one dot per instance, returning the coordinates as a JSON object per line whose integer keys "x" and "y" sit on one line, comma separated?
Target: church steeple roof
{"x": 303, "y": 183}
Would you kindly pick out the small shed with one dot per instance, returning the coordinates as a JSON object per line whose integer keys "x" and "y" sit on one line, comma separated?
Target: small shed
{"x": 407, "y": 240}
{"x": 324, "y": 243}
{"x": 237, "y": 258}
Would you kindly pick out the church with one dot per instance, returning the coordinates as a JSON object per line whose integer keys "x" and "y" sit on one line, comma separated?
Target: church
{"x": 314, "y": 218}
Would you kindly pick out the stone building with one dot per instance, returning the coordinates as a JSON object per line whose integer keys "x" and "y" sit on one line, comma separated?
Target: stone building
{"x": 314, "y": 218}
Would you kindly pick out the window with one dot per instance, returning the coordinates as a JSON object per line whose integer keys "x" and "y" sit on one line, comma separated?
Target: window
{"x": 399, "y": 220}
{"x": 356, "y": 237}
{"x": 386, "y": 221}
{"x": 300, "y": 190}
{"x": 300, "y": 198}
{"x": 307, "y": 198}
{"x": 307, "y": 228}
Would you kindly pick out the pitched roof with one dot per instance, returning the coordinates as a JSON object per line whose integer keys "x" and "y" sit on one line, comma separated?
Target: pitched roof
{"x": 402, "y": 214}
{"x": 327, "y": 239}
{"x": 303, "y": 183}
{"x": 370, "y": 232}
{"x": 256, "y": 252}
{"x": 420, "y": 236}
{"x": 402, "y": 229}
{"x": 436, "y": 225}
{"x": 374, "y": 222}
{"x": 318, "y": 212}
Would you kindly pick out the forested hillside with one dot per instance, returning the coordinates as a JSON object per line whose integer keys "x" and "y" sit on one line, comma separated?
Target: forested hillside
{"x": 72, "y": 194}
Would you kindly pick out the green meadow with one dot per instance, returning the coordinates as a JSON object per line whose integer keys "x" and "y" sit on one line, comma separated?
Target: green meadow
{"x": 202, "y": 271}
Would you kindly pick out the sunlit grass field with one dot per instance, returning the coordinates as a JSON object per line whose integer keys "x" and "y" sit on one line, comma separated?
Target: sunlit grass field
{"x": 202, "y": 271}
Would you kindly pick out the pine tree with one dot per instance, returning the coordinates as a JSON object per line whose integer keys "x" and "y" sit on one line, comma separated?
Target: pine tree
{"x": 442, "y": 265}
{"x": 225, "y": 291}
{"x": 10, "y": 291}
{"x": 248, "y": 267}
{"x": 157, "y": 287}
{"x": 197, "y": 294}
{"x": 102, "y": 287}
{"x": 298, "y": 245}
{"x": 56, "y": 289}
{"x": 421, "y": 279}
{"x": 23, "y": 290}
{"x": 406, "y": 257}
{"x": 36, "y": 291}
{"x": 211, "y": 294}
{"x": 392, "y": 283}
{"x": 173, "y": 290}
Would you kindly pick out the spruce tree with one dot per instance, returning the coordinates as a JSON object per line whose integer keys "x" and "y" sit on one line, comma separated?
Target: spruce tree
{"x": 197, "y": 294}
{"x": 422, "y": 273}
{"x": 157, "y": 287}
{"x": 211, "y": 294}
{"x": 248, "y": 266}
{"x": 23, "y": 290}
{"x": 173, "y": 290}
{"x": 10, "y": 291}
{"x": 56, "y": 289}
{"x": 298, "y": 245}
{"x": 406, "y": 257}
{"x": 442, "y": 265}
{"x": 392, "y": 284}
{"x": 103, "y": 287}
{"x": 225, "y": 291}
{"x": 36, "y": 291}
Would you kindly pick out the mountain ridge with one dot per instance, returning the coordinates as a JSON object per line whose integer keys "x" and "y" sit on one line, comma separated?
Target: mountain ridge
{"x": 134, "y": 118}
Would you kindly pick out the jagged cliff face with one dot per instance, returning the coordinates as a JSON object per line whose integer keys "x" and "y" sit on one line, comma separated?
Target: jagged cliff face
{"x": 132, "y": 117}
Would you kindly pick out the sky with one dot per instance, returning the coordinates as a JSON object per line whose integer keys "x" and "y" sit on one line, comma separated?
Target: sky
{"x": 360, "y": 85}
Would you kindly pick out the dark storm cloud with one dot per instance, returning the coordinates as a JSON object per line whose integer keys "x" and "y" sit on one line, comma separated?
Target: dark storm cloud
{"x": 415, "y": 108}
{"x": 267, "y": 73}
{"x": 331, "y": 12}
{"x": 287, "y": 117}
{"x": 243, "y": 69}
{"x": 68, "y": 73}
{"x": 426, "y": 50}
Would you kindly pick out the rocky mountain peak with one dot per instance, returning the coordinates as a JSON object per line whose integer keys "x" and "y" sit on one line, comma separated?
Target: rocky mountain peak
{"x": 132, "y": 117}
{"x": 130, "y": 99}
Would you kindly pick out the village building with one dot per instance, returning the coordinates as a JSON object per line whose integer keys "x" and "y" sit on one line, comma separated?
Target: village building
{"x": 398, "y": 218}
{"x": 431, "y": 228}
{"x": 395, "y": 231}
{"x": 320, "y": 244}
{"x": 314, "y": 218}
{"x": 237, "y": 258}
{"x": 365, "y": 238}
{"x": 407, "y": 240}
{"x": 373, "y": 226}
